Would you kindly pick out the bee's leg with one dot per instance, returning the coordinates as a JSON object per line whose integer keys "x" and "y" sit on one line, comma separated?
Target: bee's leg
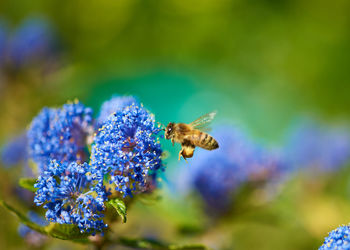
{"x": 185, "y": 160}
{"x": 180, "y": 153}
{"x": 173, "y": 141}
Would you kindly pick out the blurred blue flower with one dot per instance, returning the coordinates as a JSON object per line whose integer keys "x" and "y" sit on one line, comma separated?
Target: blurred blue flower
{"x": 217, "y": 183}
{"x": 217, "y": 175}
{"x": 3, "y": 40}
{"x": 33, "y": 237}
{"x": 337, "y": 239}
{"x": 116, "y": 103}
{"x": 126, "y": 148}
{"x": 23, "y": 230}
{"x": 15, "y": 151}
{"x": 312, "y": 146}
{"x": 60, "y": 134}
{"x": 33, "y": 41}
{"x": 72, "y": 194}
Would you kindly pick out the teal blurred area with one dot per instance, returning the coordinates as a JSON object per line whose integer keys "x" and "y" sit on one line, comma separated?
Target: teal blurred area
{"x": 260, "y": 64}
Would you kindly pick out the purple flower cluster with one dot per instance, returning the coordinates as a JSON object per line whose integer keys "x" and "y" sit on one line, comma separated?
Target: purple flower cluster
{"x": 3, "y": 40}
{"x": 32, "y": 237}
{"x": 125, "y": 153}
{"x": 72, "y": 194}
{"x": 311, "y": 146}
{"x": 15, "y": 151}
{"x": 127, "y": 150}
{"x": 337, "y": 239}
{"x": 32, "y": 42}
{"x": 217, "y": 175}
{"x": 116, "y": 103}
{"x": 60, "y": 134}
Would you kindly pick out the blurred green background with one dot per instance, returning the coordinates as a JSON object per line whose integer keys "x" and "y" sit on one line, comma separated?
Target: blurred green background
{"x": 260, "y": 64}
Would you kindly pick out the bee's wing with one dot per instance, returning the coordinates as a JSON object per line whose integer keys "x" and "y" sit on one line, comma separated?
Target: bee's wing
{"x": 204, "y": 128}
{"x": 202, "y": 122}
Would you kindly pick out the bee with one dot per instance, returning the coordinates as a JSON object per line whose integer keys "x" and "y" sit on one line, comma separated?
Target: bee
{"x": 191, "y": 135}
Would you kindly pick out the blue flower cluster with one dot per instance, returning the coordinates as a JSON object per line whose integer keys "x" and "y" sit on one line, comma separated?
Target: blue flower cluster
{"x": 116, "y": 103}
{"x": 60, "y": 134}
{"x": 14, "y": 151}
{"x": 23, "y": 230}
{"x": 338, "y": 239}
{"x": 126, "y": 155}
{"x": 126, "y": 149}
{"x": 33, "y": 42}
{"x": 33, "y": 237}
{"x": 217, "y": 175}
{"x": 72, "y": 194}
{"x": 3, "y": 41}
{"x": 312, "y": 146}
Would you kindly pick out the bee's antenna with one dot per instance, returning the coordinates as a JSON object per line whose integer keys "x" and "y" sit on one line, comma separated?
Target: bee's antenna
{"x": 161, "y": 126}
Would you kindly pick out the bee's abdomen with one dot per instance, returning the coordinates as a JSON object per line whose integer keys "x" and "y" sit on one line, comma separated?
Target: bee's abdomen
{"x": 205, "y": 141}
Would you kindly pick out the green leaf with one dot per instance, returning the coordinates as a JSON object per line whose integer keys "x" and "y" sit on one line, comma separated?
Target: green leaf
{"x": 120, "y": 207}
{"x": 153, "y": 244}
{"x": 33, "y": 166}
{"x": 187, "y": 247}
{"x": 149, "y": 198}
{"x": 65, "y": 232}
{"x": 23, "y": 218}
{"x": 190, "y": 229}
{"x": 141, "y": 243}
{"x": 28, "y": 183}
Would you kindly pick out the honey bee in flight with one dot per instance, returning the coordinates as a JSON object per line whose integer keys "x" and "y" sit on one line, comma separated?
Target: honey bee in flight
{"x": 191, "y": 135}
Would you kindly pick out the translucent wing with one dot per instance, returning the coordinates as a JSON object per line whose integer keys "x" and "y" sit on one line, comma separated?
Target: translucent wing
{"x": 202, "y": 122}
{"x": 204, "y": 128}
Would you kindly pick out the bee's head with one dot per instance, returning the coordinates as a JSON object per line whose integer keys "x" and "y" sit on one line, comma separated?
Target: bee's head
{"x": 169, "y": 131}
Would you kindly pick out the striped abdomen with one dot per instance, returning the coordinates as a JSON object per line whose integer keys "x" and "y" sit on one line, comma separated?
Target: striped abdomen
{"x": 203, "y": 140}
